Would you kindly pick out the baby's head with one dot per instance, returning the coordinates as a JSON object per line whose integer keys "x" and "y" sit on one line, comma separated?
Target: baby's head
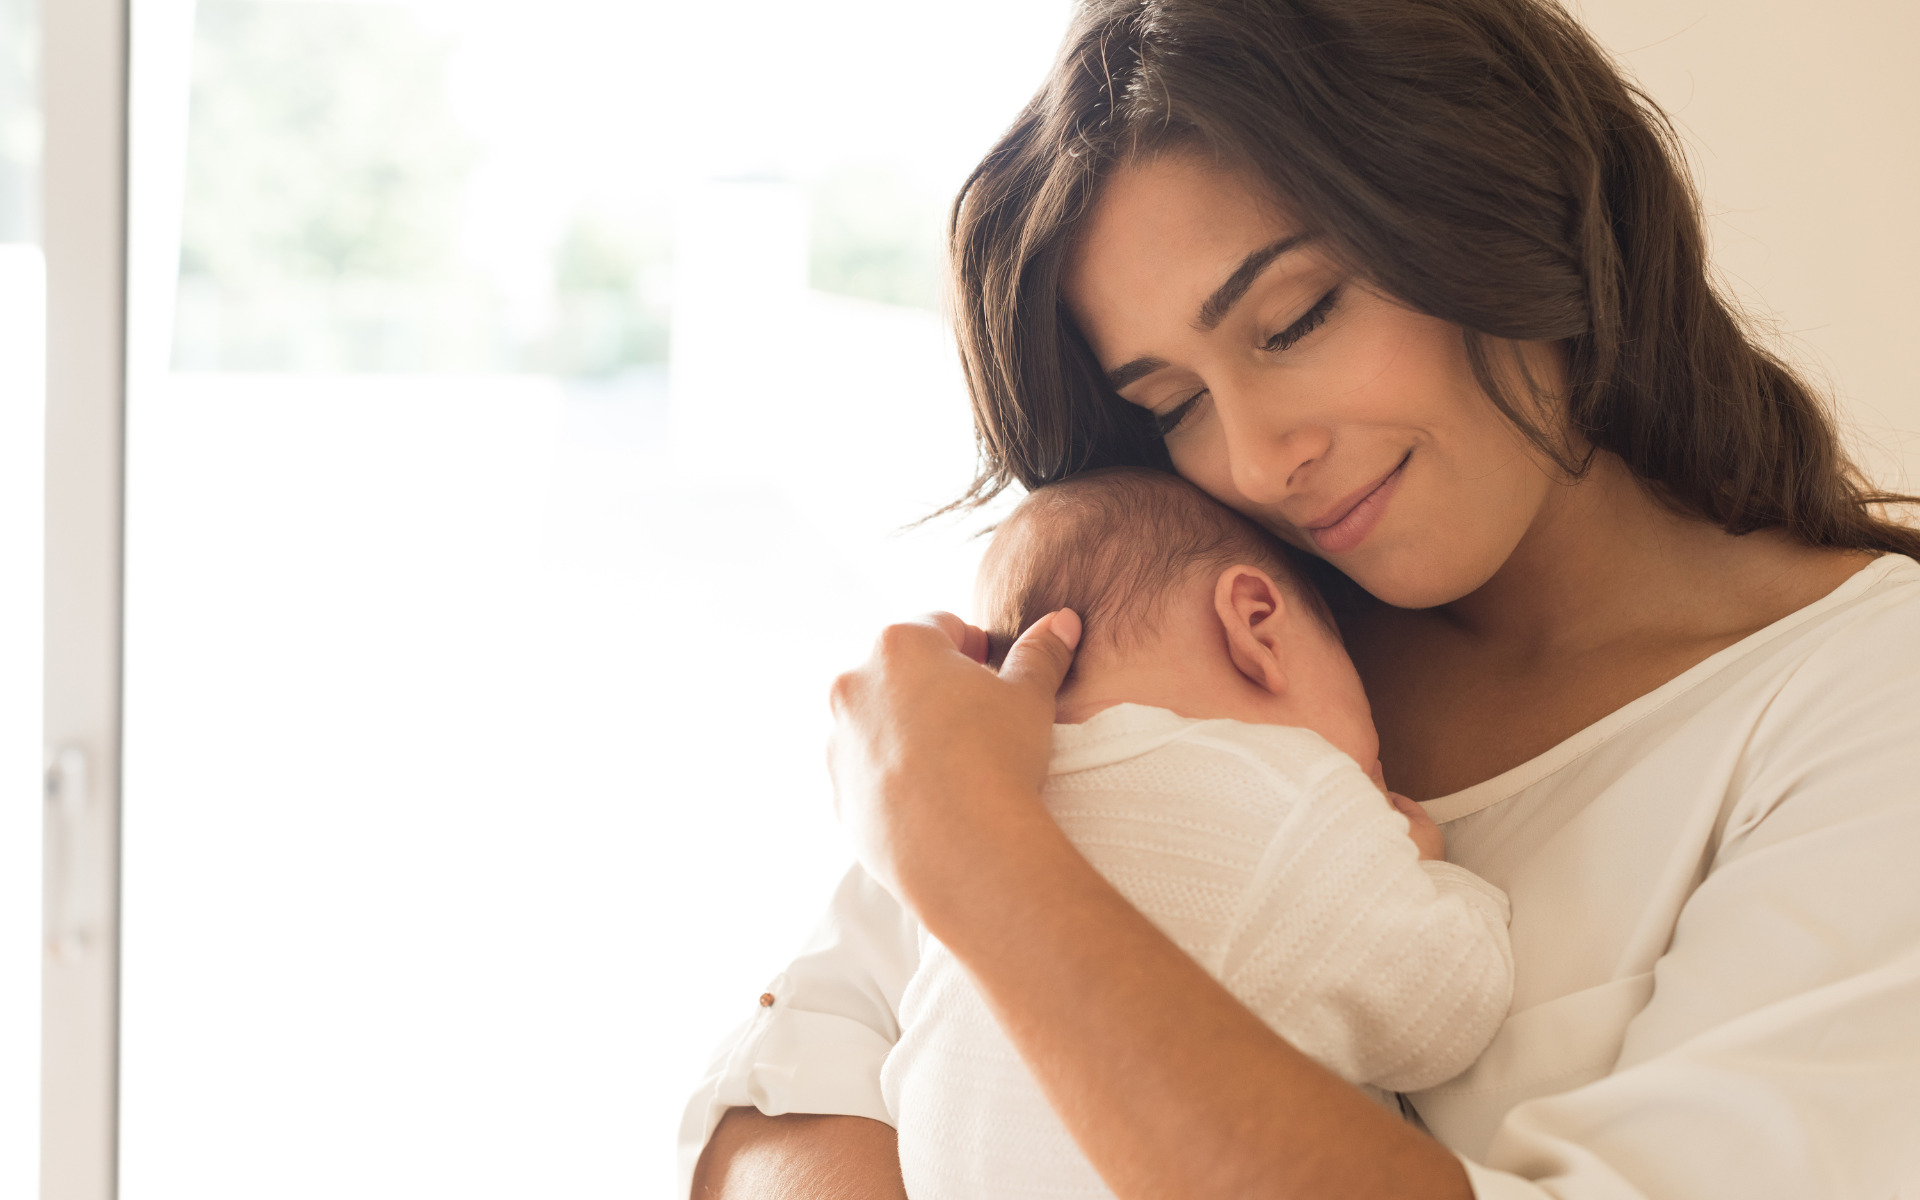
{"x": 1185, "y": 605}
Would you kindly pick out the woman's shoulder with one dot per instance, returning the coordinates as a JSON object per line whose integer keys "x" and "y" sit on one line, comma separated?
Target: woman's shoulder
{"x": 1893, "y": 574}
{"x": 1850, "y": 655}
{"x": 1842, "y": 676}
{"x": 1872, "y": 620}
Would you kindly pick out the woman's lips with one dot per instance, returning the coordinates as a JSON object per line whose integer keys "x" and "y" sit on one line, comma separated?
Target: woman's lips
{"x": 1350, "y": 527}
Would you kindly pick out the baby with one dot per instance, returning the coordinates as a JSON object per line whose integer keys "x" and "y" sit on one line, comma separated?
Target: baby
{"x": 1216, "y": 761}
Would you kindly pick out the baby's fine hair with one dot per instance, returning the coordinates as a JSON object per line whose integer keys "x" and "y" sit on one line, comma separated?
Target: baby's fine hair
{"x": 1112, "y": 545}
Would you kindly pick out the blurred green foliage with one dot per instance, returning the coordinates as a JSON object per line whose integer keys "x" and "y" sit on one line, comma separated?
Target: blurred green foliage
{"x": 876, "y": 236}
{"x": 19, "y": 121}
{"x": 327, "y": 181}
{"x": 326, "y": 186}
{"x": 611, "y": 274}
{"x": 326, "y": 178}
{"x": 321, "y": 146}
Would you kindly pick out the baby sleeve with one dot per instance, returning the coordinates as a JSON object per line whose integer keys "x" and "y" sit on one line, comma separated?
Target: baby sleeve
{"x": 1385, "y": 969}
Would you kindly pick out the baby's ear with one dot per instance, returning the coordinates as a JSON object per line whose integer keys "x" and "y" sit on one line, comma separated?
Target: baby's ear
{"x": 1253, "y": 614}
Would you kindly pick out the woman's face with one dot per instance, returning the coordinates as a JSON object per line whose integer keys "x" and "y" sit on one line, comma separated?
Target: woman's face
{"x": 1348, "y": 424}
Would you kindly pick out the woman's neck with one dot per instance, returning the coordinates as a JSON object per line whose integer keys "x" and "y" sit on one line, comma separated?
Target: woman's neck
{"x": 1608, "y": 563}
{"x": 1609, "y": 595}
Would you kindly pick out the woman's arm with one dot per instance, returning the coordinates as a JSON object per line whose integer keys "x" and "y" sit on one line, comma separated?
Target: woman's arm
{"x": 813, "y": 1044}
{"x": 1169, "y": 1085}
{"x": 756, "y": 1157}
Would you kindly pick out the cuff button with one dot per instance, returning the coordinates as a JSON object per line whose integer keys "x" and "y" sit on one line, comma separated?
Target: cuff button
{"x": 766, "y": 999}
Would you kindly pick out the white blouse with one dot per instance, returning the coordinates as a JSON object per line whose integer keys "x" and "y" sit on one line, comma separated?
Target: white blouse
{"x": 1716, "y": 940}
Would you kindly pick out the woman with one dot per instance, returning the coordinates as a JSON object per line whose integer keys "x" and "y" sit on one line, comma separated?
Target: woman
{"x": 1419, "y": 285}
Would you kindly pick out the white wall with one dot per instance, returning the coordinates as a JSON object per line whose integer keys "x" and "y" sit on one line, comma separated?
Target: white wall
{"x": 1801, "y": 120}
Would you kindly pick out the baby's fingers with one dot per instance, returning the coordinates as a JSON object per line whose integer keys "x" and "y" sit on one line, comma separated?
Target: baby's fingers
{"x": 1426, "y": 835}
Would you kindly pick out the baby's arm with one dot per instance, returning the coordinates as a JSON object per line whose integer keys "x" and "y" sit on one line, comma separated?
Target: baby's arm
{"x": 1385, "y": 965}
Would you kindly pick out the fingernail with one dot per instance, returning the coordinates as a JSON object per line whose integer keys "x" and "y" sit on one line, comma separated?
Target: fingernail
{"x": 1065, "y": 625}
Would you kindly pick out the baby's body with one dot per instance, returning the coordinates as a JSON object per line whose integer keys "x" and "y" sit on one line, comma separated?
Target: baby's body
{"x": 1208, "y": 764}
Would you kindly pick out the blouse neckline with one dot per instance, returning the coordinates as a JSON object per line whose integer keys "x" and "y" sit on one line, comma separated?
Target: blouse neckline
{"x": 1515, "y": 780}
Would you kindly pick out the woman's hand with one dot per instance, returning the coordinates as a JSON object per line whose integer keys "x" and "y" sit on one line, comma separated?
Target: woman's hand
{"x": 931, "y": 748}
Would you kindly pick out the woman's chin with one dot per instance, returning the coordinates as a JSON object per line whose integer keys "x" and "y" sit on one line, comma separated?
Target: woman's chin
{"x": 1401, "y": 582}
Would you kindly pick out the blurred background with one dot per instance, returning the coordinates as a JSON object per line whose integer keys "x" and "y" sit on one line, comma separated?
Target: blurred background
{"x": 529, "y": 404}
{"x": 546, "y": 393}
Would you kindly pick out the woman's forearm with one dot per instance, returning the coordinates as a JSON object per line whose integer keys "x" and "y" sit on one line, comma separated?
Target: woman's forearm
{"x": 755, "y": 1157}
{"x": 1170, "y": 1086}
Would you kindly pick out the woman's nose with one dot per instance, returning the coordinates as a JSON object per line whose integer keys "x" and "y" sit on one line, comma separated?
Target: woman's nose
{"x": 1267, "y": 453}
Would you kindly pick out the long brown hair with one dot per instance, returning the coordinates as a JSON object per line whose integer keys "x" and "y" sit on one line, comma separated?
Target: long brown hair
{"x": 1483, "y": 161}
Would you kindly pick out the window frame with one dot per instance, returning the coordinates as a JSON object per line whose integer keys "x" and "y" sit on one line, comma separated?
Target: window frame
{"x": 84, "y": 227}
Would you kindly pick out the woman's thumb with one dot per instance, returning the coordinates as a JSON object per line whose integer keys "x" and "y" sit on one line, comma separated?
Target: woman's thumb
{"x": 1044, "y": 652}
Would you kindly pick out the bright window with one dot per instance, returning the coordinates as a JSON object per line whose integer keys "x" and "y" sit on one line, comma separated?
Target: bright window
{"x": 547, "y": 390}
{"x": 22, "y": 393}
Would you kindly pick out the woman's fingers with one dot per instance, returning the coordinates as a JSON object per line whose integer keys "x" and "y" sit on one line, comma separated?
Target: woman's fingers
{"x": 948, "y": 624}
{"x": 907, "y": 642}
{"x": 968, "y": 639}
{"x": 1044, "y": 653}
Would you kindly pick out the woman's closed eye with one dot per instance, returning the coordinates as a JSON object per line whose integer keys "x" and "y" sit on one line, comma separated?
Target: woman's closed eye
{"x": 1309, "y": 321}
{"x": 1172, "y": 419}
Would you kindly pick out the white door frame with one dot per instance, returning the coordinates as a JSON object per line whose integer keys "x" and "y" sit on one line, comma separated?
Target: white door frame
{"x": 84, "y": 99}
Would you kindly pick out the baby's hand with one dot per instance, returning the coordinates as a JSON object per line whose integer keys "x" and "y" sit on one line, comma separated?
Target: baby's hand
{"x": 1426, "y": 835}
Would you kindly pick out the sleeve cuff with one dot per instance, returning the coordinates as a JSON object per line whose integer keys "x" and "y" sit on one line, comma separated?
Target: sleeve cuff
{"x": 1450, "y": 877}
{"x": 786, "y": 1060}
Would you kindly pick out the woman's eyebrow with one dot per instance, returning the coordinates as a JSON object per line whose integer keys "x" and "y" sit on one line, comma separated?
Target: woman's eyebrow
{"x": 1127, "y": 373}
{"x": 1228, "y": 294}
{"x": 1217, "y": 306}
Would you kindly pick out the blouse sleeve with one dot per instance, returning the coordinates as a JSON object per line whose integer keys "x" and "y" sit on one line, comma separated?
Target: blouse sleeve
{"x": 1779, "y": 1055}
{"x": 815, "y": 1042}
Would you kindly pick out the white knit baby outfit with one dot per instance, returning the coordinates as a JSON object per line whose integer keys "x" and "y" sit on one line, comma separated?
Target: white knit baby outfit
{"x": 1273, "y": 860}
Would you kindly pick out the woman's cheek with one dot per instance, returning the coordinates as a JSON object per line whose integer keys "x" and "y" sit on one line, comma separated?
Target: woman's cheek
{"x": 1200, "y": 457}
